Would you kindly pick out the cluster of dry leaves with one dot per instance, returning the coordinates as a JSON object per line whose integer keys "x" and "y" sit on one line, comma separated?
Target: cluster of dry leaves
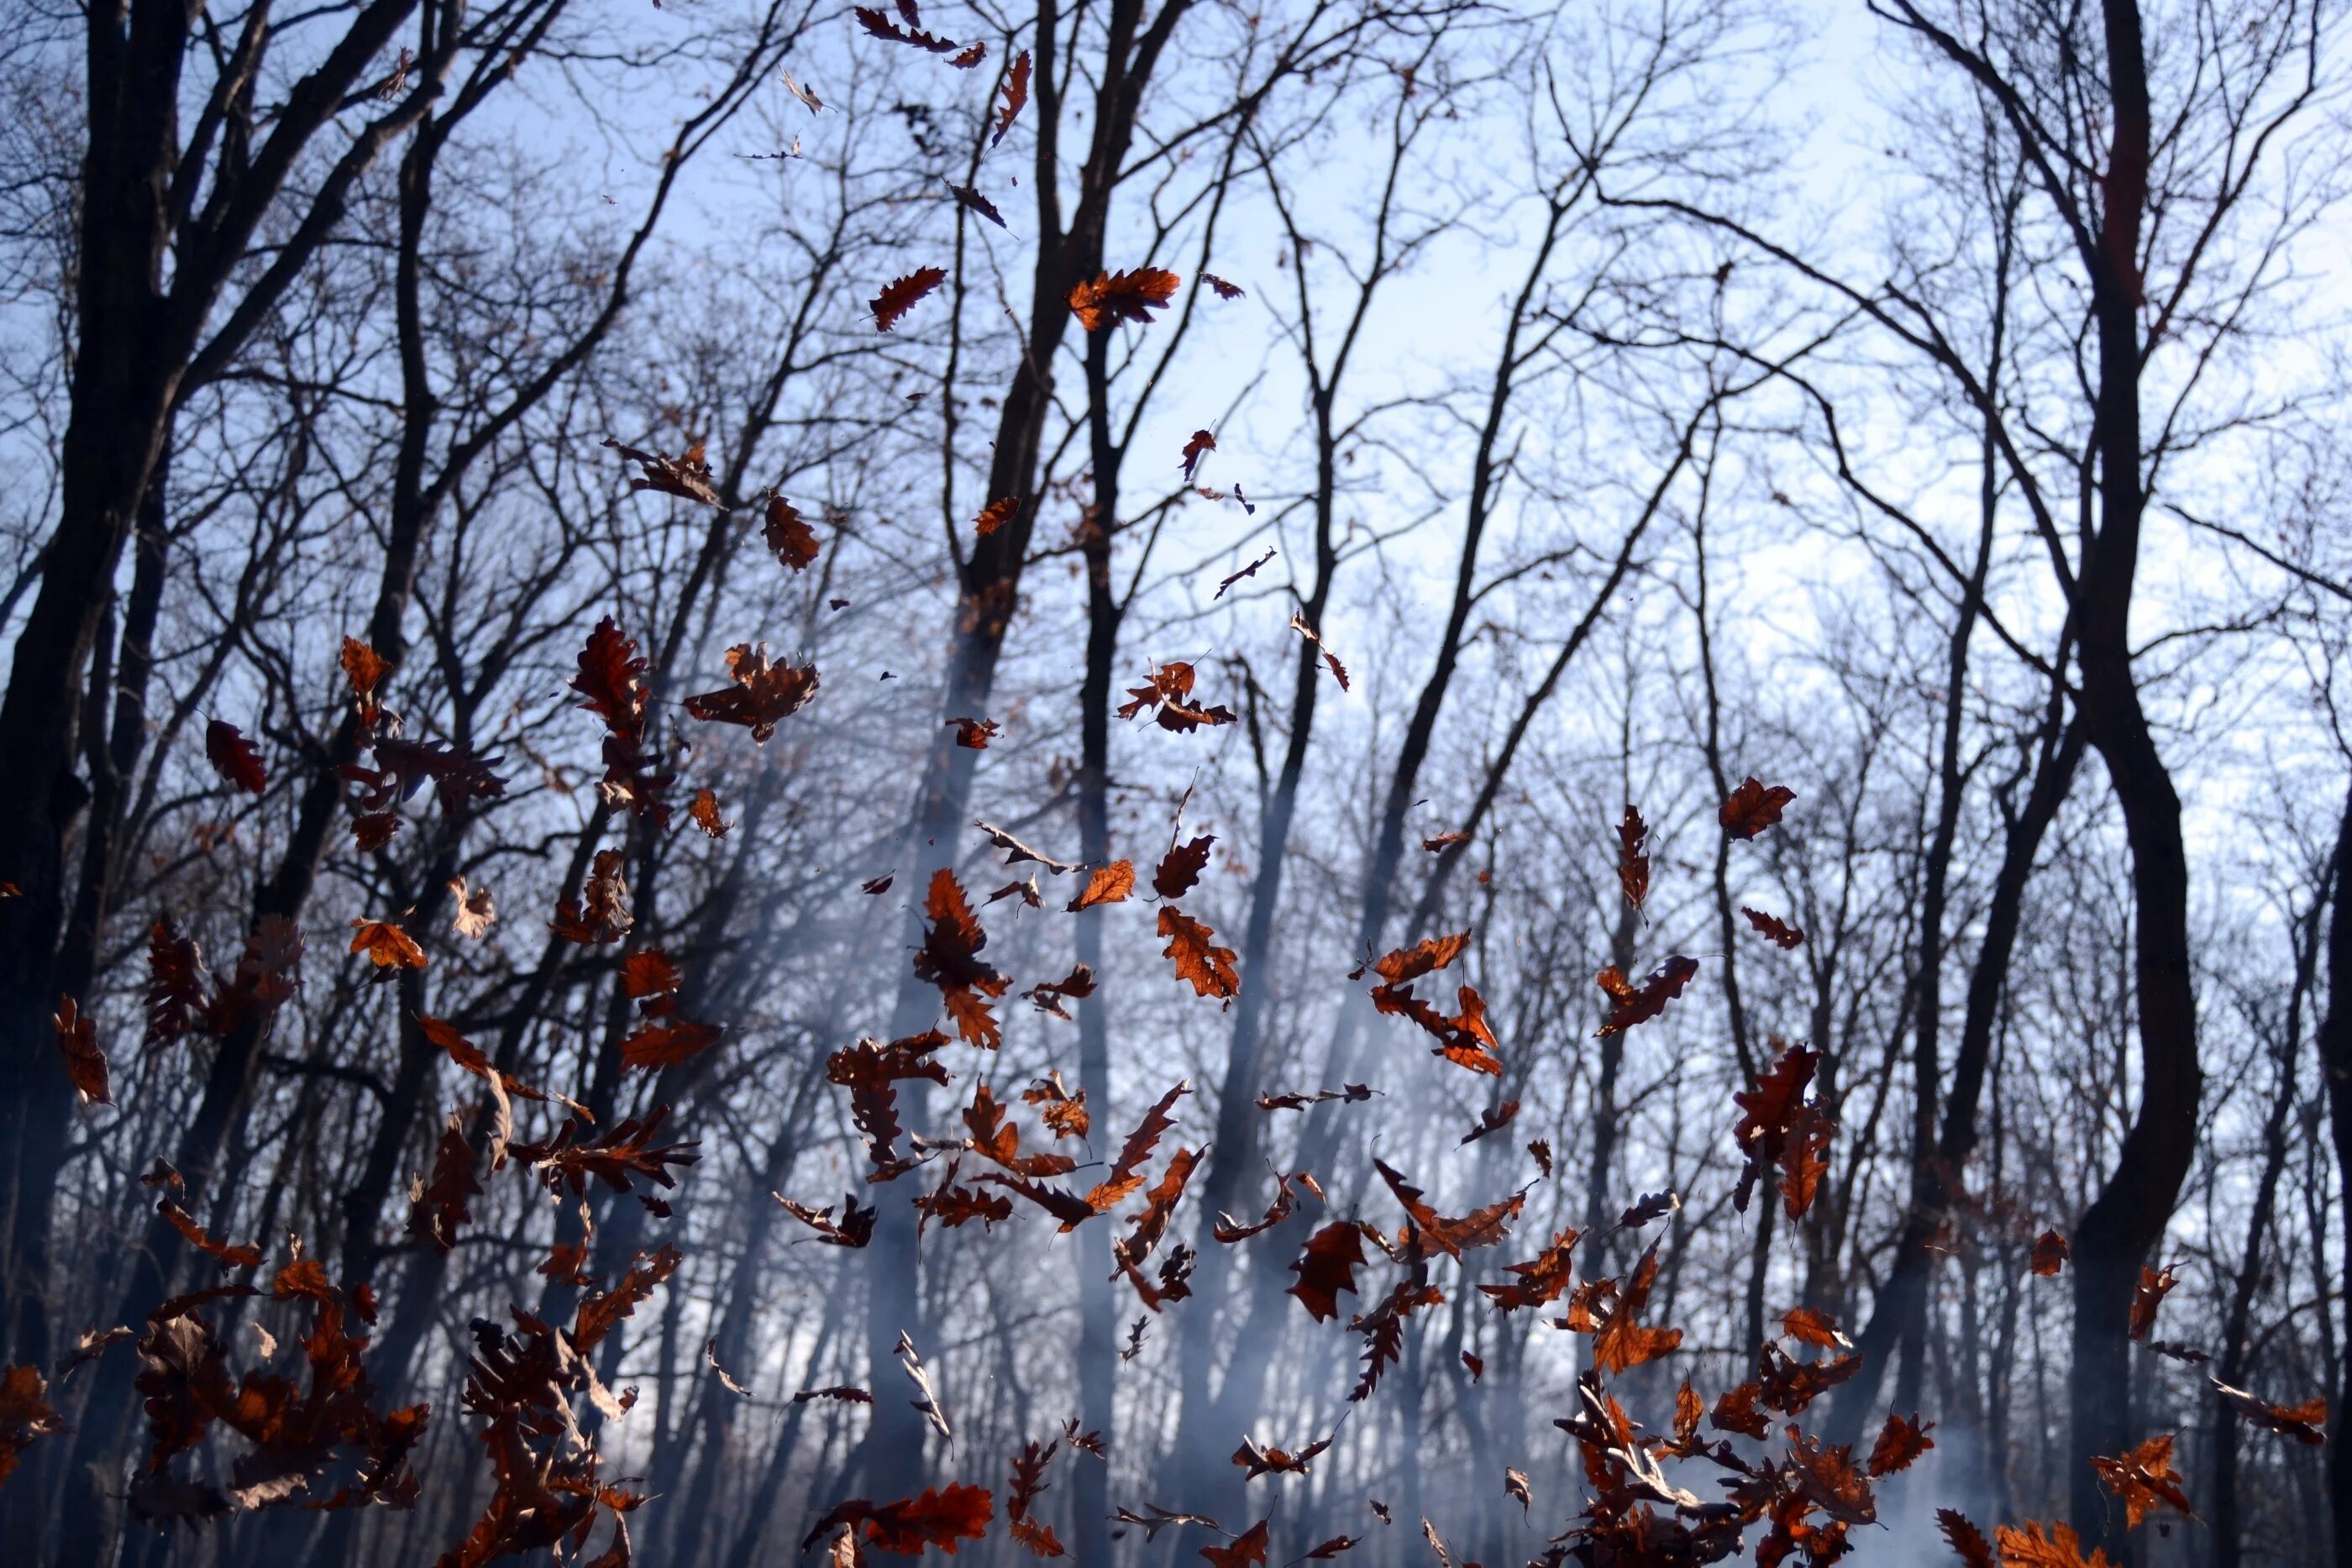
{"x": 313, "y": 1436}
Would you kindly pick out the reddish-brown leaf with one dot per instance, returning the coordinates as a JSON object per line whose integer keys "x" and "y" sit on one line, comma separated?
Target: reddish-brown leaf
{"x": 764, "y": 695}
{"x": 2154, "y": 1285}
{"x": 1811, "y": 1325}
{"x": 1633, "y": 858}
{"x": 855, "y": 1230}
{"x": 1753, "y": 808}
{"x": 1200, "y": 442}
{"x": 2145, "y": 1479}
{"x": 2302, "y": 1422}
{"x": 1105, "y": 884}
{"x": 1110, "y": 297}
{"x": 1248, "y": 1548}
{"x": 1630, "y": 1003}
{"x": 85, "y": 1062}
{"x": 995, "y": 514}
{"x": 1181, "y": 866}
{"x": 1622, "y": 1342}
{"x": 1199, "y": 961}
{"x": 899, "y": 295}
{"x": 1899, "y": 1443}
{"x": 2028, "y": 1547}
{"x": 234, "y": 757}
{"x": 789, "y": 535}
{"x": 1326, "y": 1266}
{"x": 1016, "y": 94}
{"x": 2050, "y": 1254}
{"x": 1774, "y": 929}
{"x": 1967, "y": 1541}
{"x": 229, "y": 1255}
{"x": 387, "y": 945}
{"x": 25, "y": 1414}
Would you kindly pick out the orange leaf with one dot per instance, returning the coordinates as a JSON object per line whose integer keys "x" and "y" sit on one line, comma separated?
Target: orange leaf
{"x": 1105, "y": 884}
{"x": 1110, "y": 297}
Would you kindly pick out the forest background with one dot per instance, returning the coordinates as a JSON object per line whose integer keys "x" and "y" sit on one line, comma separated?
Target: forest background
{"x": 572, "y": 560}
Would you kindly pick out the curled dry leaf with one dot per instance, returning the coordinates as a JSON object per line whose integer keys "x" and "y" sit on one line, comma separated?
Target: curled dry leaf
{"x": 1633, "y": 858}
{"x": 1900, "y": 1442}
{"x": 473, "y": 911}
{"x": 1200, "y": 962}
{"x": 2304, "y": 1422}
{"x": 1774, "y": 929}
{"x": 995, "y": 514}
{"x": 2154, "y": 1285}
{"x": 706, "y": 816}
{"x": 687, "y": 475}
{"x": 2050, "y": 1254}
{"x": 1224, "y": 290}
{"x": 788, "y": 534}
{"x": 1630, "y": 1003}
{"x": 1196, "y": 446}
{"x": 387, "y": 945}
{"x": 764, "y": 695}
{"x": 2144, "y": 1481}
{"x": 1109, "y": 297}
{"x": 899, "y": 295}
{"x": 973, "y": 734}
{"x": 1016, "y": 95}
{"x": 1230, "y": 577}
{"x": 85, "y": 1062}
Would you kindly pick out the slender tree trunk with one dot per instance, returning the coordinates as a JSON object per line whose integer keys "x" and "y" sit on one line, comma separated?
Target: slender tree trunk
{"x": 2335, "y": 1035}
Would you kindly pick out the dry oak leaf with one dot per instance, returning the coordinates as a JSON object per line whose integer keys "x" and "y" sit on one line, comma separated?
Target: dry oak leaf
{"x": 1200, "y": 442}
{"x": 789, "y": 535}
{"x": 1200, "y": 962}
{"x": 764, "y": 695}
{"x": 705, "y": 812}
{"x": 1331, "y": 660}
{"x": 25, "y": 1413}
{"x": 1016, "y": 94}
{"x": 365, "y": 669}
{"x": 386, "y": 945}
{"x": 2304, "y": 1422}
{"x": 2145, "y": 1479}
{"x": 660, "y": 1042}
{"x": 2028, "y": 1547}
{"x": 1778, "y": 1125}
{"x": 840, "y": 1392}
{"x": 234, "y": 757}
{"x": 995, "y": 514}
{"x": 1900, "y": 1442}
{"x": 1633, "y": 858}
{"x": 474, "y": 911}
{"x": 1224, "y": 290}
{"x": 1247, "y": 1550}
{"x": 1809, "y": 1325}
{"x": 949, "y": 959}
{"x": 1126, "y": 1174}
{"x": 973, "y": 734}
{"x": 1752, "y": 808}
{"x": 687, "y": 475}
{"x": 899, "y": 295}
{"x": 1258, "y": 1460}
{"x": 1774, "y": 929}
{"x": 1181, "y": 866}
{"x": 1105, "y": 884}
{"x": 1110, "y": 297}
{"x": 1541, "y": 1279}
{"x": 2050, "y": 1254}
{"x": 1230, "y": 577}
{"x": 229, "y": 1255}
{"x": 85, "y": 1062}
{"x": 856, "y": 1227}
{"x": 1493, "y": 1119}
{"x": 1326, "y": 1266}
{"x": 1621, "y": 1342}
{"x": 1075, "y": 985}
{"x": 1967, "y": 1541}
{"x": 1630, "y": 1003}
{"x": 941, "y": 1519}
{"x": 1169, "y": 689}
{"x": 2154, "y": 1285}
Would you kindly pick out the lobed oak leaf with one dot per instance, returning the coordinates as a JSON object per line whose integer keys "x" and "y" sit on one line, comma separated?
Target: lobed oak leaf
{"x": 364, "y": 669}
{"x": 1541, "y": 1279}
{"x": 1016, "y": 95}
{"x": 25, "y": 1414}
{"x": 1105, "y": 884}
{"x": 1230, "y": 577}
{"x": 687, "y": 475}
{"x": 1331, "y": 660}
{"x": 1493, "y": 1119}
{"x": 764, "y": 693}
{"x": 234, "y": 757}
{"x": 1200, "y": 962}
{"x": 660, "y": 1043}
{"x": 1774, "y": 929}
{"x": 1752, "y": 808}
{"x": 2154, "y": 1285}
{"x": 1621, "y": 1342}
{"x": 704, "y": 814}
{"x": 1326, "y": 1266}
{"x": 85, "y": 1062}
{"x": 1179, "y": 869}
{"x": 2029, "y": 1547}
{"x": 387, "y": 945}
{"x": 899, "y": 295}
{"x": 1630, "y": 1003}
{"x": 1110, "y": 297}
{"x": 1809, "y": 1325}
{"x": 1967, "y": 1541}
{"x": 473, "y": 911}
{"x": 788, "y": 534}
{"x": 2145, "y": 1479}
{"x": 1224, "y": 290}
{"x": 229, "y": 1255}
{"x": 1196, "y": 446}
{"x": 855, "y": 1228}
{"x": 1633, "y": 858}
{"x": 1899, "y": 1443}
{"x": 995, "y": 514}
{"x": 2303, "y": 1422}
{"x": 1248, "y": 1549}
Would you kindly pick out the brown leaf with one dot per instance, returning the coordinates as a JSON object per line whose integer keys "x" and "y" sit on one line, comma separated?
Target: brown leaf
{"x": 1224, "y": 290}
{"x": 1632, "y": 858}
{"x": 1126, "y": 1173}
{"x": 25, "y": 1414}
{"x": 2302, "y": 1422}
{"x": 2028, "y": 1547}
{"x": 705, "y": 812}
{"x": 1200, "y": 444}
{"x": 1899, "y": 1443}
{"x": 85, "y": 1062}
{"x": 1752, "y": 809}
{"x": 2147, "y": 1295}
{"x": 1774, "y": 929}
{"x": 1326, "y": 1266}
{"x": 1621, "y": 1342}
{"x": 1248, "y": 1549}
{"x": 1200, "y": 962}
{"x": 899, "y": 295}
{"x": 234, "y": 757}
{"x": 1110, "y": 297}
{"x": 687, "y": 475}
{"x": 2050, "y": 1254}
{"x": 764, "y": 695}
{"x": 855, "y": 1228}
{"x": 1967, "y": 1541}
{"x": 1493, "y": 1119}
{"x": 789, "y": 535}
{"x": 2145, "y": 1479}
{"x": 1016, "y": 94}
{"x": 1809, "y": 1325}
{"x": 1630, "y": 1003}
{"x": 365, "y": 669}
{"x": 1230, "y": 577}
{"x": 229, "y": 1255}
{"x": 995, "y": 514}
{"x": 1105, "y": 884}
{"x": 1181, "y": 866}
{"x": 1541, "y": 1279}
{"x": 386, "y": 945}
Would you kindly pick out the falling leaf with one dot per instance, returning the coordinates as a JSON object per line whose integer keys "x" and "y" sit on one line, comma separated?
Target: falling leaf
{"x": 995, "y": 514}
{"x": 234, "y": 757}
{"x": 1200, "y": 444}
{"x": 229, "y": 1255}
{"x": 1326, "y": 1266}
{"x": 1809, "y": 1325}
{"x": 2302, "y": 1422}
{"x": 973, "y": 734}
{"x": 386, "y": 945}
{"x": 1752, "y": 808}
{"x": 1633, "y": 858}
{"x": 1247, "y": 1550}
{"x": 25, "y": 1414}
{"x": 2050, "y": 1254}
{"x": 1016, "y": 94}
{"x": 687, "y": 475}
{"x": 85, "y": 1062}
{"x": 1110, "y": 297}
{"x": 1181, "y": 866}
{"x": 1492, "y": 1120}
{"x": 972, "y": 201}
{"x": 1630, "y": 1003}
{"x": 705, "y": 813}
{"x": 1331, "y": 660}
{"x": 1900, "y": 1442}
{"x": 879, "y": 885}
{"x": 1778, "y": 1125}
{"x": 1621, "y": 1342}
{"x": 899, "y": 295}
{"x": 1224, "y": 290}
{"x": 764, "y": 695}
{"x": 1475, "y": 1365}
{"x": 1200, "y": 962}
{"x": 2145, "y": 1479}
{"x": 1105, "y": 884}
{"x": 1232, "y": 577}
{"x": 474, "y": 913}
{"x": 855, "y": 1230}
{"x": 789, "y": 535}
{"x": 2147, "y": 1295}
{"x": 1515, "y": 1486}
{"x": 1774, "y": 929}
